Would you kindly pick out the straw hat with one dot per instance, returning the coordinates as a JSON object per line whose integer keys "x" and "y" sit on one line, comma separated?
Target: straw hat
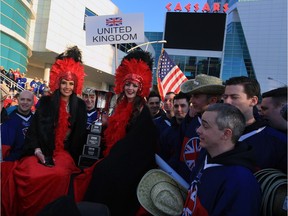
{"x": 160, "y": 194}
{"x": 203, "y": 84}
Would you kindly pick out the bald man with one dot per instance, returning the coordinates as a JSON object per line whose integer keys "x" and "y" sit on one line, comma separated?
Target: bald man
{"x": 14, "y": 129}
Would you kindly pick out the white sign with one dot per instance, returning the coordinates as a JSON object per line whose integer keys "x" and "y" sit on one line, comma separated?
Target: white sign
{"x": 114, "y": 29}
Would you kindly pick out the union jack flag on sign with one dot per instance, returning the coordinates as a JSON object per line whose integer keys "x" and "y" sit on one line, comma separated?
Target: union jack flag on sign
{"x": 115, "y": 21}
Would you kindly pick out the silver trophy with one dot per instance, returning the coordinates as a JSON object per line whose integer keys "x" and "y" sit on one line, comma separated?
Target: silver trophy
{"x": 91, "y": 150}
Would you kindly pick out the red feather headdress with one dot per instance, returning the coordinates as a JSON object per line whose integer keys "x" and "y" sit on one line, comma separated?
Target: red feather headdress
{"x": 68, "y": 66}
{"x": 136, "y": 71}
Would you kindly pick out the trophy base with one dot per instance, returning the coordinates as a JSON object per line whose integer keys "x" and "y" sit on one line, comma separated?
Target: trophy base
{"x": 86, "y": 161}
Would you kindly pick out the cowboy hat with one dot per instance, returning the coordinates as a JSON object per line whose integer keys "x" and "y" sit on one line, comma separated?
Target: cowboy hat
{"x": 160, "y": 194}
{"x": 203, "y": 84}
{"x": 273, "y": 183}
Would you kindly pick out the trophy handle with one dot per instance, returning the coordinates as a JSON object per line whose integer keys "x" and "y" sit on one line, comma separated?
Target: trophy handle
{"x": 99, "y": 119}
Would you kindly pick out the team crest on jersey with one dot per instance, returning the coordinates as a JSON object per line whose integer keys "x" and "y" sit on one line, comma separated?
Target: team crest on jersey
{"x": 191, "y": 151}
{"x": 24, "y": 131}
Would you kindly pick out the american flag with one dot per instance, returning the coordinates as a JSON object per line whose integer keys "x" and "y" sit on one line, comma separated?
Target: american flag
{"x": 115, "y": 21}
{"x": 169, "y": 75}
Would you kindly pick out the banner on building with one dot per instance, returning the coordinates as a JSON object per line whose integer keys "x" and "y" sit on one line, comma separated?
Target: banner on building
{"x": 114, "y": 29}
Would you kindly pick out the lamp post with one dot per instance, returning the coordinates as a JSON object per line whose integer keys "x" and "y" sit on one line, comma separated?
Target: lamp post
{"x": 270, "y": 78}
{"x": 147, "y": 43}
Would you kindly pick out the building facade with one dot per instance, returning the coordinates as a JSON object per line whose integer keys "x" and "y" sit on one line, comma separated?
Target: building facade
{"x": 255, "y": 45}
{"x": 256, "y": 42}
{"x": 14, "y": 34}
{"x": 34, "y": 32}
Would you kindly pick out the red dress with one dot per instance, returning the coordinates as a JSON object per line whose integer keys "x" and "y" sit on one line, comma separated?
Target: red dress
{"x": 8, "y": 188}
{"x": 38, "y": 185}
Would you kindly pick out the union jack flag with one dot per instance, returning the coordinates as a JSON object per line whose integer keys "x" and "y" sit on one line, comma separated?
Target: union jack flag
{"x": 193, "y": 205}
{"x": 115, "y": 21}
{"x": 191, "y": 152}
{"x": 169, "y": 75}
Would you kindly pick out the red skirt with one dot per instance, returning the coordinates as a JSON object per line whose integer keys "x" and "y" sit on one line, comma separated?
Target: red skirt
{"x": 8, "y": 207}
{"x": 38, "y": 185}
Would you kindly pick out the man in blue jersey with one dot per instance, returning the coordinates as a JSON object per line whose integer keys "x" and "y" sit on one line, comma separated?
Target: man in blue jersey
{"x": 204, "y": 90}
{"x": 163, "y": 120}
{"x": 269, "y": 145}
{"x": 273, "y": 105}
{"x": 169, "y": 138}
{"x": 154, "y": 104}
{"x": 42, "y": 88}
{"x": 168, "y": 105}
{"x": 223, "y": 183}
{"x": 89, "y": 97}
{"x": 158, "y": 114}
{"x": 34, "y": 85}
{"x": 14, "y": 129}
{"x": 21, "y": 81}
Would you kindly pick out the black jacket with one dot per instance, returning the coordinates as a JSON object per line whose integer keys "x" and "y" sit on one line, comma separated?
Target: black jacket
{"x": 41, "y": 133}
{"x": 115, "y": 178}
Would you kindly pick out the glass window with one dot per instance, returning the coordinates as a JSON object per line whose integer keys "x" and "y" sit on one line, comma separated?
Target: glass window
{"x": 88, "y": 12}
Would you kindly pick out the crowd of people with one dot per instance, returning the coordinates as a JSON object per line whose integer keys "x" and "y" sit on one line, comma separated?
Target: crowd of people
{"x": 16, "y": 81}
{"x": 210, "y": 133}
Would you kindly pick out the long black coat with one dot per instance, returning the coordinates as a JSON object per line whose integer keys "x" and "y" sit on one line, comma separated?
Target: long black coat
{"x": 41, "y": 133}
{"x": 115, "y": 178}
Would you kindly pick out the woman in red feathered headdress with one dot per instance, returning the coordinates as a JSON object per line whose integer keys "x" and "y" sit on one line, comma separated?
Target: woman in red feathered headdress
{"x": 133, "y": 80}
{"x": 55, "y": 139}
{"x": 130, "y": 137}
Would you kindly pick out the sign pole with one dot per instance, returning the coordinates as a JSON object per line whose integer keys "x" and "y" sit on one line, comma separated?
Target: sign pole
{"x": 116, "y": 56}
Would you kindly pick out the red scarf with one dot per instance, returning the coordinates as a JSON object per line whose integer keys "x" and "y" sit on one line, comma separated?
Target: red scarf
{"x": 117, "y": 123}
{"x": 62, "y": 127}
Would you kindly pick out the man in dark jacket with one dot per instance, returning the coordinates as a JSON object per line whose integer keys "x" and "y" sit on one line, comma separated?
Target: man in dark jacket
{"x": 204, "y": 90}
{"x": 13, "y": 130}
{"x": 223, "y": 176}
{"x": 273, "y": 106}
{"x": 269, "y": 145}
{"x": 169, "y": 138}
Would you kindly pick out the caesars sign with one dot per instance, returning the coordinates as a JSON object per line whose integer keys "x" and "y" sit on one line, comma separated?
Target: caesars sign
{"x": 114, "y": 29}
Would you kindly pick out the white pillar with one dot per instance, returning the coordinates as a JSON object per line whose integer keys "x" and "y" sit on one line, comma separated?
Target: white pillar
{"x": 47, "y": 72}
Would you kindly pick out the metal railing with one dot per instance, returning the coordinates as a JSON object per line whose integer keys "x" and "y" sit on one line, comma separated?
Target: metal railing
{"x": 11, "y": 83}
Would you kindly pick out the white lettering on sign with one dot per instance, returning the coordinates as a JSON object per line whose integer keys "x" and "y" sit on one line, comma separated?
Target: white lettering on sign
{"x": 115, "y": 29}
